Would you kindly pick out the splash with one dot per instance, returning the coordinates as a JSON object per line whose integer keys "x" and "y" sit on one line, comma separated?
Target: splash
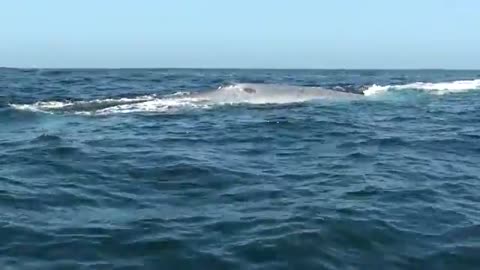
{"x": 440, "y": 88}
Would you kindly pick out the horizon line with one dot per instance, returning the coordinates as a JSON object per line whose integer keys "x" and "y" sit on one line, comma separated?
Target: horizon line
{"x": 239, "y": 68}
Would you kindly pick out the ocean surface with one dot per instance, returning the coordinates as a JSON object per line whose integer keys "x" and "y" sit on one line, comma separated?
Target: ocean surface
{"x": 239, "y": 169}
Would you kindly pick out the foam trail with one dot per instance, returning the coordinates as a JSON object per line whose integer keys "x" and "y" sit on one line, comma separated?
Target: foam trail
{"x": 440, "y": 88}
{"x": 79, "y": 106}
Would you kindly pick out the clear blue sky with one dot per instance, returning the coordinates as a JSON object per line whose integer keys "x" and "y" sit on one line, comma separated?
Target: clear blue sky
{"x": 241, "y": 33}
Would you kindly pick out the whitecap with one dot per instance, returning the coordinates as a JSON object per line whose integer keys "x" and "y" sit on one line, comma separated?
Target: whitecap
{"x": 439, "y": 88}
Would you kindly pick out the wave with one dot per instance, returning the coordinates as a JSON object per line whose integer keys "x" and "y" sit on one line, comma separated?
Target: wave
{"x": 439, "y": 88}
{"x": 233, "y": 94}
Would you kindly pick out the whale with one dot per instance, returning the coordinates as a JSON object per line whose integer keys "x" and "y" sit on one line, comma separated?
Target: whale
{"x": 272, "y": 93}
{"x": 244, "y": 93}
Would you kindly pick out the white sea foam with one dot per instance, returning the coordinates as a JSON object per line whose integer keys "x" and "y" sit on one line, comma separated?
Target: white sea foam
{"x": 156, "y": 105}
{"x": 41, "y": 106}
{"x": 80, "y": 106}
{"x": 440, "y": 88}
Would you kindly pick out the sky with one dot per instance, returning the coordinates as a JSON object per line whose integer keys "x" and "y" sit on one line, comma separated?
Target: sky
{"x": 240, "y": 34}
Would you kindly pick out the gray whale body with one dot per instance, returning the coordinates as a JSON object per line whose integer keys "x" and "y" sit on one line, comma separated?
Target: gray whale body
{"x": 272, "y": 93}
{"x": 247, "y": 93}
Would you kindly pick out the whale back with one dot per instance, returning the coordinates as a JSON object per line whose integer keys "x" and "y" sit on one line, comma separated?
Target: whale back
{"x": 271, "y": 93}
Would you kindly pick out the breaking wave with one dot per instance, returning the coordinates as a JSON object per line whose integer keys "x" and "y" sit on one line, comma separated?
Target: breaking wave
{"x": 439, "y": 88}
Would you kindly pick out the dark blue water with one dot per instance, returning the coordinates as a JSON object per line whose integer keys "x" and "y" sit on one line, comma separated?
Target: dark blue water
{"x": 124, "y": 169}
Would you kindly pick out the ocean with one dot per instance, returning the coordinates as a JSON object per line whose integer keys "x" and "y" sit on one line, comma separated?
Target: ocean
{"x": 239, "y": 169}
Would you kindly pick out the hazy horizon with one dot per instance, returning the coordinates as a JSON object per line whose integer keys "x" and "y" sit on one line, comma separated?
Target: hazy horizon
{"x": 241, "y": 68}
